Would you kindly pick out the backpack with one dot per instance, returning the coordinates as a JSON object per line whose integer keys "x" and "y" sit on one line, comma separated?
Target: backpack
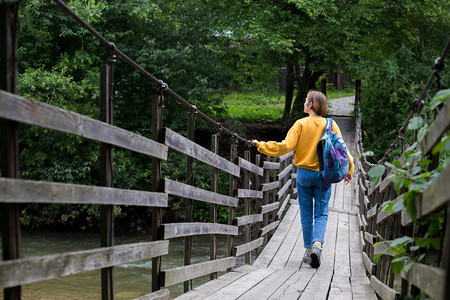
{"x": 333, "y": 157}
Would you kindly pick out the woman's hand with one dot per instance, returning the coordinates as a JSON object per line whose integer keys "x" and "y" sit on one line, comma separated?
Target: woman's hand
{"x": 348, "y": 178}
{"x": 254, "y": 142}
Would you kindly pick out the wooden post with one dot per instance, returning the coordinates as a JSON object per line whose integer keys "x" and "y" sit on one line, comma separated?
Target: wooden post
{"x": 232, "y": 192}
{"x": 246, "y": 183}
{"x": 106, "y": 176}
{"x": 447, "y": 254}
{"x": 358, "y": 92}
{"x": 9, "y": 150}
{"x": 213, "y": 207}
{"x": 323, "y": 86}
{"x": 156, "y": 181}
{"x": 266, "y": 194}
{"x": 258, "y": 201}
{"x": 188, "y": 202}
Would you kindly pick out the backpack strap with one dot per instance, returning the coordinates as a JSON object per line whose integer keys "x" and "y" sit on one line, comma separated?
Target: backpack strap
{"x": 329, "y": 126}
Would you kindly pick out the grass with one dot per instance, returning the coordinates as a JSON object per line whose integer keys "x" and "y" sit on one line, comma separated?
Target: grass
{"x": 264, "y": 108}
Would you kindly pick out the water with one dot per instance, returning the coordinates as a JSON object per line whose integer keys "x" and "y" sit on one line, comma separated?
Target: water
{"x": 132, "y": 280}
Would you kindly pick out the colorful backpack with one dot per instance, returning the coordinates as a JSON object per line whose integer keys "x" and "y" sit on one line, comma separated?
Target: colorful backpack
{"x": 333, "y": 158}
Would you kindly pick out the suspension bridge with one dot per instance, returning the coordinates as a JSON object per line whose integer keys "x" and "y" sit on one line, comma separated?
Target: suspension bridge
{"x": 263, "y": 186}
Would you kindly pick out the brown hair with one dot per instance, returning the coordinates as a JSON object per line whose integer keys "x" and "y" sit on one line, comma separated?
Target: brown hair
{"x": 319, "y": 102}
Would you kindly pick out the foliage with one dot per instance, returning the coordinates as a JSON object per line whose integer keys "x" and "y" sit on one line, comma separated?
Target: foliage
{"x": 412, "y": 178}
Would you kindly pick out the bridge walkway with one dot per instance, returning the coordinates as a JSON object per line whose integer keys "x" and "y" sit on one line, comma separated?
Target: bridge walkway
{"x": 278, "y": 272}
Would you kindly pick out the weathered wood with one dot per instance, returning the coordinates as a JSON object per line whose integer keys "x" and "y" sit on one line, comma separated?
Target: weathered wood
{"x": 247, "y": 247}
{"x": 187, "y": 191}
{"x": 174, "y": 230}
{"x": 28, "y": 191}
{"x": 269, "y": 207}
{"x": 285, "y": 172}
{"x": 183, "y": 145}
{"x": 370, "y": 266}
{"x": 381, "y": 248}
{"x": 270, "y": 186}
{"x": 176, "y": 275}
{"x": 244, "y": 193}
{"x": 383, "y": 214}
{"x": 368, "y": 237}
{"x": 428, "y": 279}
{"x": 372, "y": 212}
{"x": 43, "y": 115}
{"x": 246, "y": 165}
{"x": 158, "y": 295}
{"x": 286, "y": 156}
{"x": 214, "y": 241}
{"x": 29, "y": 270}
{"x": 283, "y": 206}
{"x": 271, "y": 165}
{"x": 436, "y": 195}
{"x": 384, "y": 291}
{"x": 284, "y": 189}
{"x": 250, "y": 219}
{"x": 437, "y": 128}
{"x": 269, "y": 227}
{"x": 361, "y": 288}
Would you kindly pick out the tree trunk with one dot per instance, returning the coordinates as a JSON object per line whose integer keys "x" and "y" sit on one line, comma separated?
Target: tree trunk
{"x": 289, "y": 92}
{"x": 306, "y": 82}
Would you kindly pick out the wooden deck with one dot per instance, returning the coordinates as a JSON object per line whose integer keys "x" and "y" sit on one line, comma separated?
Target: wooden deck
{"x": 278, "y": 273}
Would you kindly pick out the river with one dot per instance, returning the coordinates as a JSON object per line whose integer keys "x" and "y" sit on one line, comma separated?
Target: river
{"x": 131, "y": 280}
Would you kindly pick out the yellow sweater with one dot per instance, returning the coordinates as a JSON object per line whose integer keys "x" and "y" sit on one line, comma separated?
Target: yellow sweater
{"x": 303, "y": 138}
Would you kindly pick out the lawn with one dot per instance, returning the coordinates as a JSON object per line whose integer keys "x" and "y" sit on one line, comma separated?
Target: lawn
{"x": 262, "y": 108}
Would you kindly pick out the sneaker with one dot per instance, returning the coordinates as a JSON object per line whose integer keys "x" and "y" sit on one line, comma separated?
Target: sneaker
{"x": 316, "y": 255}
{"x": 307, "y": 256}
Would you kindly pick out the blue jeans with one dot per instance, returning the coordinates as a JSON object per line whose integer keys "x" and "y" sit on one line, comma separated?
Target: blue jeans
{"x": 313, "y": 214}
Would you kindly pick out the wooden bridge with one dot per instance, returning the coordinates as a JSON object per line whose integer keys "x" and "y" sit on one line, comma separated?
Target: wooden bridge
{"x": 263, "y": 187}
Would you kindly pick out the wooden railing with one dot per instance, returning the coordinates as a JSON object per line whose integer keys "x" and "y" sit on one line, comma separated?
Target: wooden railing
{"x": 265, "y": 189}
{"x": 380, "y": 227}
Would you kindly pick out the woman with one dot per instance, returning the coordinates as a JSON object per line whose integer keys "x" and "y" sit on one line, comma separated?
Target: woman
{"x": 303, "y": 138}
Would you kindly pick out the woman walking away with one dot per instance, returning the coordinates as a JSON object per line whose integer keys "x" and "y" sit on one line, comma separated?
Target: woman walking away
{"x": 313, "y": 193}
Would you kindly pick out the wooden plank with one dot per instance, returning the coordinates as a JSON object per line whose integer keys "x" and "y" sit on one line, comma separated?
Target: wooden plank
{"x": 368, "y": 237}
{"x": 269, "y": 207}
{"x": 268, "y": 285}
{"x": 271, "y": 165}
{"x": 295, "y": 285}
{"x": 270, "y": 186}
{"x": 342, "y": 247}
{"x": 428, "y": 279}
{"x": 250, "y": 219}
{"x": 406, "y": 219}
{"x": 283, "y": 206}
{"x": 437, "y": 128}
{"x": 239, "y": 287}
{"x": 372, "y": 212}
{"x": 246, "y": 165}
{"x": 340, "y": 288}
{"x": 377, "y": 249}
{"x": 187, "y": 191}
{"x": 383, "y": 214}
{"x": 270, "y": 249}
{"x": 285, "y": 172}
{"x": 283, "y": 253}
{"x": 29, "y": 270}
{"x": 176, "y": 275}
{"x": 319, "y": 285}
{"x": 163, "y": 294}
{"x": 356, "y": 260}
{"x": 47, "y": 116}
{"x": 28, "y": 191}
{"x": 247, "y": 247}
{"x": 286, "y": 156}
{"x": 244, "y": 193}
{"x": 183, "y": 145}
{"x": 174, "y": 230}
{"x": 384, "y": 291}
{"x": 370, "y": 266}
{"x": 284, "y": 189}
{"x": 361, "y": 288}
{"x": 436, "y": 196}
{"x": 269, "y": 228}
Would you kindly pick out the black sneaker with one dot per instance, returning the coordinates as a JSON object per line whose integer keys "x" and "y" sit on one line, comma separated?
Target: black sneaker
{"x": 316, "y": 256}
